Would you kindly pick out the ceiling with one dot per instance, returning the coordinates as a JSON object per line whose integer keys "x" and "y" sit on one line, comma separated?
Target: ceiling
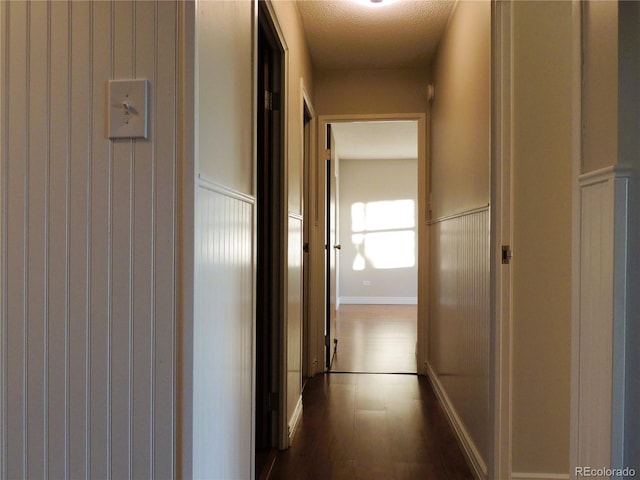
{"x": 376, "y": 140}
{"x": 352, "y": 34}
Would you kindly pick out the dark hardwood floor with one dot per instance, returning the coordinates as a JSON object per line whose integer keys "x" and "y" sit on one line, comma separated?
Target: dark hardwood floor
{"x": 371, "y": 426}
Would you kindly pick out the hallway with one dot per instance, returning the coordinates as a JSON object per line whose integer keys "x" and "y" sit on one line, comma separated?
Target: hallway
{"x": 371, "y": 426}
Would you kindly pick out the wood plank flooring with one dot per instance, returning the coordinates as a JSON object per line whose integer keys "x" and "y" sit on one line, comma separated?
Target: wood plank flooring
{"x": 376, "y": 339}
{"x": 371, "y": 426}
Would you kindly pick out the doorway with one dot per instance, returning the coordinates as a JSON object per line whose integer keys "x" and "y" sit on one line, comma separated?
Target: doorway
{"x": 373, "y": 211}
{"x": 269, "y": 252}
{"x": 308, "y": 115}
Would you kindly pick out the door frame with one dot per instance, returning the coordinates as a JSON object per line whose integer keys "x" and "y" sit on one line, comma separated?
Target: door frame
{"x": 308, "y": 145}
{"x": 265, "y": 9}
{"x": 500, "y": 350}
{"x": 318, "y": 282}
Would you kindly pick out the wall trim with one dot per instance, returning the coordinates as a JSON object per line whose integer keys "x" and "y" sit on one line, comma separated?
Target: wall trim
{"x": 294, "y": 421}
{"x": 377, "y": 301}
{"x": 471, "y": 211}
{"x": 474, "y": 459}
{"x": 604, "y": 174}
{"x": 539, "y": 476}
{"x": 295, "y": 216}
{"x": 204, "y": 182}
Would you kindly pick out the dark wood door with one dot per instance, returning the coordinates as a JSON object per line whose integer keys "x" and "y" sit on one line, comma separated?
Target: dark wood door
{"x": 263, "y": 309}
{"x": 332, "y": 247}
{"x": 269, "y": 256}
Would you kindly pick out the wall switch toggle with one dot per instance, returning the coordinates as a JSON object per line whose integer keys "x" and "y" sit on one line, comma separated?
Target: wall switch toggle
{"x": 128, "y": 106}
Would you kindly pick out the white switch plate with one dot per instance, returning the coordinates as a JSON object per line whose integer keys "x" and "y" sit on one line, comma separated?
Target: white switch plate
{"x": 127, "y": 100}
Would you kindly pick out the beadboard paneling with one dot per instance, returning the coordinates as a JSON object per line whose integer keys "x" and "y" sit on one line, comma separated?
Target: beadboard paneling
{"x": 459, "y": 320}
{"x": 223, "y": 334}
{"x": 294, "y": 318}
{"x": 599, "y": 389}
{"x": 89, "y": 230}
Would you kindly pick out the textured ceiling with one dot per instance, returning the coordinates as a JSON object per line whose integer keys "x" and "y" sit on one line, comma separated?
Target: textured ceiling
{"x": 351, "y": 34}
{"x": 376, "y": 140}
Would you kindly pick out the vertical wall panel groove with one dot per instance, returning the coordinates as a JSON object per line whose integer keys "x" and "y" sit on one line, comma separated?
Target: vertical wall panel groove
{"x": 47, "y": 240}
{"x": 63, "y": 470}
{"x": 4, "y": 73}
{"x": 25, "y": 252}
{"x": 152, "y": 253}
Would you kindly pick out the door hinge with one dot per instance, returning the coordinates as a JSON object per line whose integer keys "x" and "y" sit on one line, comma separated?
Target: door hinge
{"x": 507, "y": 255}
{"x": 268, "y": 100}
{"x": 271, "y": 100}
{"x": 327, "y": 342}
{"x": 305, "y": 247}
{"x": 327, "y": 153}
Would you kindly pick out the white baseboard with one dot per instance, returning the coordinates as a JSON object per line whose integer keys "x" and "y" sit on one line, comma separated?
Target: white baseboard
{"x": 539, "y": 476}
{"x": 478, "y": 467}
{"x": 378, "y": 301}
{"x": 294, "y": 421}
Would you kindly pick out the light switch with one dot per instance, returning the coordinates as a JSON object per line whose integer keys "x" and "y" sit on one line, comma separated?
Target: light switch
{"x": 127, "y": 100}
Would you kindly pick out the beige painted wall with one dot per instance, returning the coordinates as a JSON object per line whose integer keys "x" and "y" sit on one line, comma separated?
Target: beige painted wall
{"x": 460, "y": 184}
{"x": 461, "y": 112}
{"x": 368, "y": 182}
{"x": 600, "y": 85}
{"x": 224, "y": 103}
{"x": 300, "y": 73}
{"x": 542, "y": 152}
{"x": 371, "y": 91}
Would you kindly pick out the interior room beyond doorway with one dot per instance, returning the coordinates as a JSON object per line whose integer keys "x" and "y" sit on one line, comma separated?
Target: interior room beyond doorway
{"x": 376, "y": 339}
{"x": 376, "y": 233}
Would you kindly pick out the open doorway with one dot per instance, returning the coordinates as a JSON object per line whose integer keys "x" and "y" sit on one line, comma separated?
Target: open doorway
{"x": 269, "y": 251}
{"x": 372, "y": 254}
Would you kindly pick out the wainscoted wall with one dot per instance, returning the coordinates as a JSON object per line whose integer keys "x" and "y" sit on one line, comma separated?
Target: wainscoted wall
{"x": 598, "y": 395}
{"x": 89, "y": 243}
{"x": 224, "y": 269}
{"x": 294, "y": 323}
{"x": 223, "y": 333}
{"x": 459, "y": 325}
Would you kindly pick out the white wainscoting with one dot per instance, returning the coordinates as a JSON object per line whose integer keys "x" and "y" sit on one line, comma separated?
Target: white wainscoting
{"x": 90, "y": 242}
{"x": 599, "y": 352}
{"x": 223, "y": 333}
{"x": 294, "y": 321}
{"x": 459, "y": 327}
